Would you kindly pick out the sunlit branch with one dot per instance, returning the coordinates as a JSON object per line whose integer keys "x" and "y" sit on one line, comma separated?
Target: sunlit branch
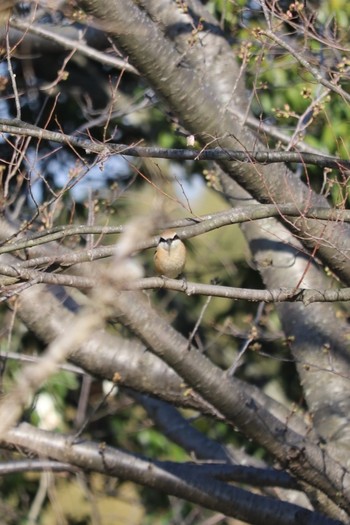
{"x": 306, "y": 296}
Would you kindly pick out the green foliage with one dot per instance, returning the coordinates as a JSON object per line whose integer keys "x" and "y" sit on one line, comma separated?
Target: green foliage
{"x": 288, "y": 96}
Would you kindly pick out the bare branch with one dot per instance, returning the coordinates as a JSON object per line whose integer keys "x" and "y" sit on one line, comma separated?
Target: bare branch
{"x": 17, "y": 127}
{"x": 184, "y": 481}
{"x": 53, "y": 35}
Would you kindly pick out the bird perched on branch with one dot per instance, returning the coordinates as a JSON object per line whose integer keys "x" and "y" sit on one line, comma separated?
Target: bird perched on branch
{"x": 170, "y": 256}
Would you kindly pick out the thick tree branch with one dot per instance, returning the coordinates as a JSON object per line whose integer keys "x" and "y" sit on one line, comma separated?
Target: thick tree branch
{"x": 181, "y": 481}
{"x": 306, "y": 460}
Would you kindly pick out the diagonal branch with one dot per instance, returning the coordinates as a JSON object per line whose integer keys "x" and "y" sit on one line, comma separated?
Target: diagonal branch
{"x": 204, "y": 115}
{"x": 304, "y": 458}
{"x": 191, "y": 482}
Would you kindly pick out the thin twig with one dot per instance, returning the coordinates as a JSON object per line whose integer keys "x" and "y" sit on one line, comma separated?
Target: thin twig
{"x": 199, "y": 320}
{"x": 311, "y": 69}
{"x": 232, "y": 370}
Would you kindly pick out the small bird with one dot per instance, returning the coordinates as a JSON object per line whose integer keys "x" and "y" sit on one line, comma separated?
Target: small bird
{"x": 170, "y": 256}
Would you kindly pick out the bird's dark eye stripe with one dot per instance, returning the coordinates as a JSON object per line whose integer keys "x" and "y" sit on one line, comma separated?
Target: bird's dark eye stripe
{"x": 171, "y": 239}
